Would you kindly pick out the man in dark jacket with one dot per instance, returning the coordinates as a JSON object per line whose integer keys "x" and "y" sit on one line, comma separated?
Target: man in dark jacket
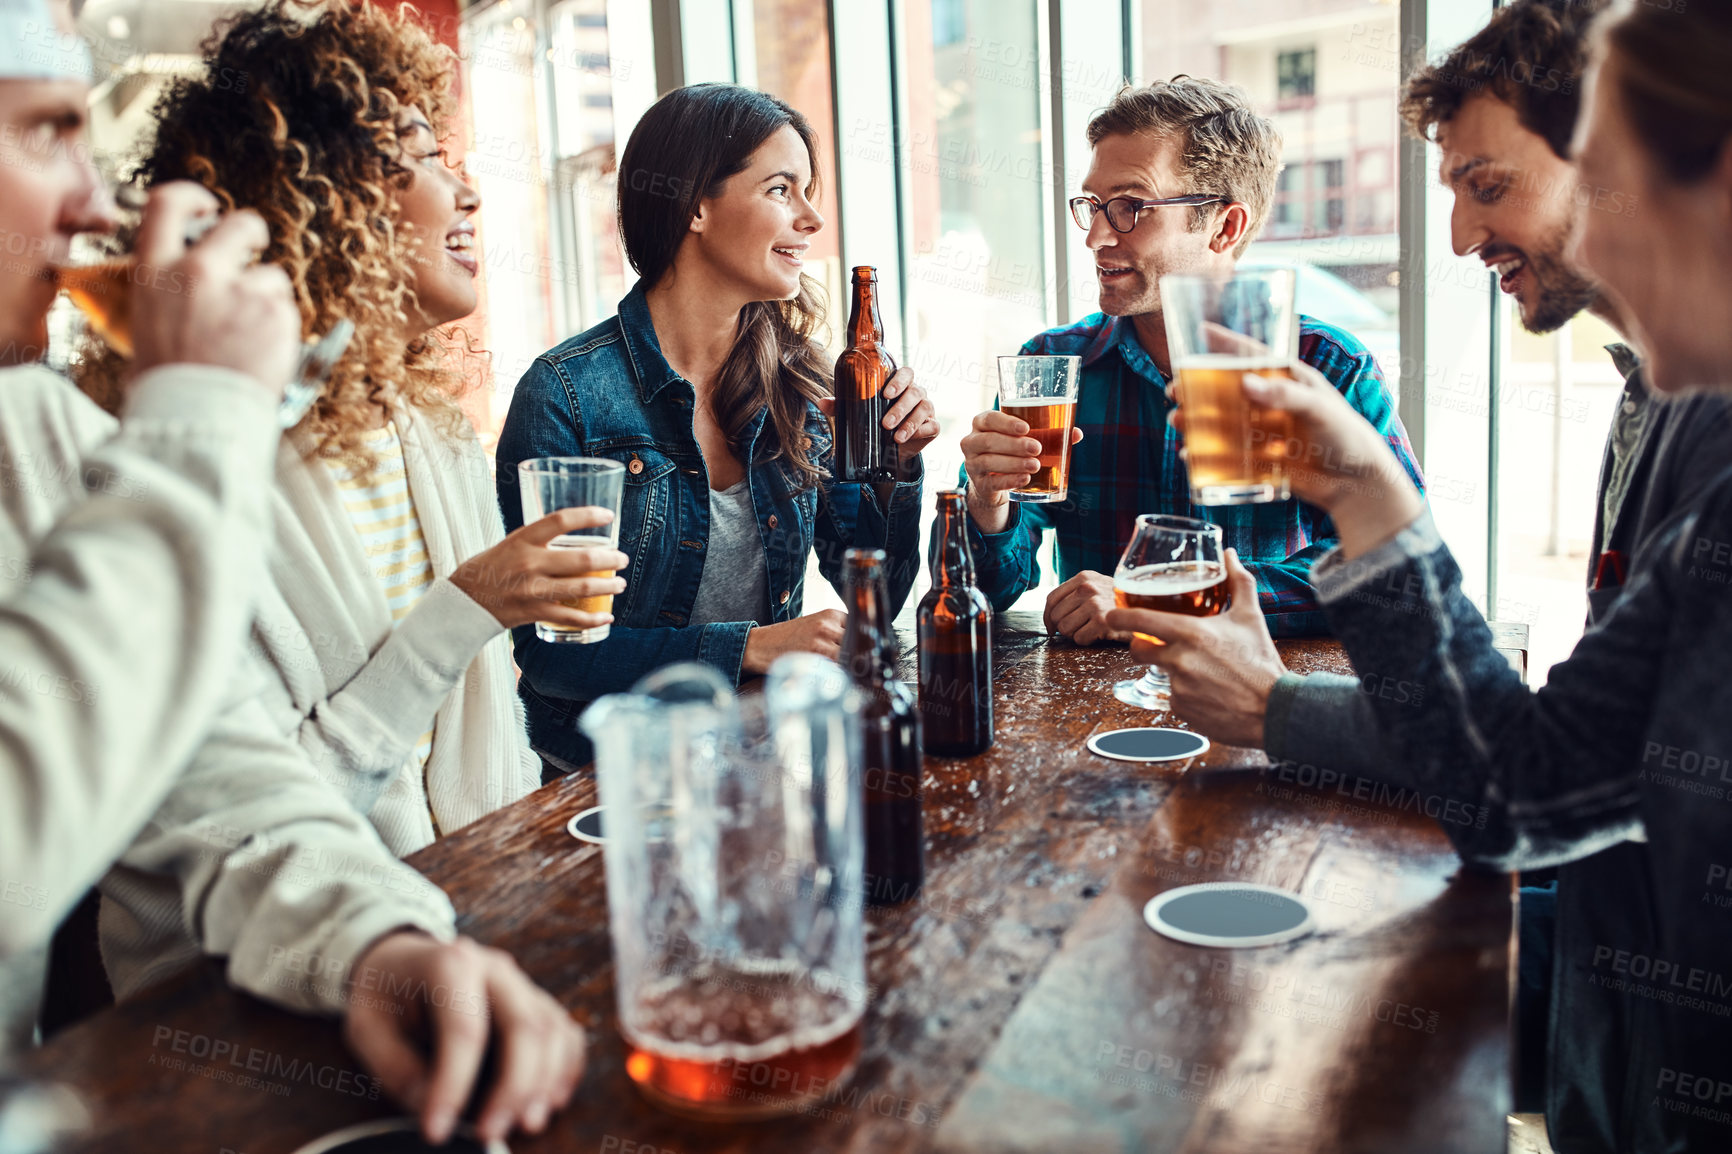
{"x": 1505, "y": 144}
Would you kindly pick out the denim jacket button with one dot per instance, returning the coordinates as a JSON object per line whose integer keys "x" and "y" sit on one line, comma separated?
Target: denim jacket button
{"x": 636, "y": 466}
{"x": 772, "y": 521}
{"x": 784, "y": 597}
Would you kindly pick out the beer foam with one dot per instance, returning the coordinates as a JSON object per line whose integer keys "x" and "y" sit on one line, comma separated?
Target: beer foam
{"x": 772, "y": 996}
{"x": 1169, "y": 580}
{"x": 1262, "y": 362}
{"x": 581, "y": 541}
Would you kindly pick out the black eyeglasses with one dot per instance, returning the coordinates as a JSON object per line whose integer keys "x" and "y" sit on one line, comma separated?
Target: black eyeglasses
{"x": 1122, "y": 211}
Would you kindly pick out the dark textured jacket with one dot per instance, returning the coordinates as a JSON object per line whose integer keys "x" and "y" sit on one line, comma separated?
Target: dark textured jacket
{"x": 1673, "y": 447}
{"x": 1619, "y": 771}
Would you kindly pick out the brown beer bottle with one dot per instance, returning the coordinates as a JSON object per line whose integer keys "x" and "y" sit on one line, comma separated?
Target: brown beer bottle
{"x": 865, "y": 449}
{"x": 890, "y": 726}
{"x": 954, "y": 623}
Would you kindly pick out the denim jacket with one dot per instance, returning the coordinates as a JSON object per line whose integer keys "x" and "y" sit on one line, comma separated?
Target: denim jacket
{"x": 610, "y": 393}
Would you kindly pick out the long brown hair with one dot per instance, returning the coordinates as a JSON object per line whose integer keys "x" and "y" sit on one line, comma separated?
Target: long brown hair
{"x": 1674, "y": 81}
{"x": 294, "y": 115}
{"x": 684, "y": 149}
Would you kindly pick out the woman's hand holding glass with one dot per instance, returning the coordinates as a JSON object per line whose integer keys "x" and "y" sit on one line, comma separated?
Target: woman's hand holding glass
{"x": 522, "y": 580}
{"x": 1335, "y": 458}
{"x": 912, "y": 416}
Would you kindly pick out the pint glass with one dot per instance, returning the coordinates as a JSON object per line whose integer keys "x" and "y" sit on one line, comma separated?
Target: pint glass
{"x": 1218, "y": 329}
{"x": 1043, "y": 392}
{"x": 549, "y": 484}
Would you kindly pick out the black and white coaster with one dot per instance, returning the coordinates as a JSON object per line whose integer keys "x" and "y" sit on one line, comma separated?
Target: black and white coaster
{"x": 1229, "y": 914}
{"x": 1148, "y": 744}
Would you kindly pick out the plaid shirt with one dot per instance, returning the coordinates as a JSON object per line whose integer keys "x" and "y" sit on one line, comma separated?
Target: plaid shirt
{"x": 1128, "y": 463}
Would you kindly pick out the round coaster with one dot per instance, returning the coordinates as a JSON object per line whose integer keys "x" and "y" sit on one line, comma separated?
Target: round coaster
{"x": 586, "y": 826}
{"x": 1148, "y": 744}
{"x": 1229, "y": 914}
{"x": 397, "y": 1136}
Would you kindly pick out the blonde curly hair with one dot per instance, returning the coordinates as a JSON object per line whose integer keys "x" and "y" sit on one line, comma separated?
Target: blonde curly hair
{"x": 295, "y": 116}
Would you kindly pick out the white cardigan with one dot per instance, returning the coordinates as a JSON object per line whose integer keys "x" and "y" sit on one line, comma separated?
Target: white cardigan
{"x": 129, "y": 556}
{"x": 358, "y": 693}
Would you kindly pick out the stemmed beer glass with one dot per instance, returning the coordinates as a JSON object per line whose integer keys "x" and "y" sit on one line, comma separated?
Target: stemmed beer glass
{"x": 1175, "y": 565}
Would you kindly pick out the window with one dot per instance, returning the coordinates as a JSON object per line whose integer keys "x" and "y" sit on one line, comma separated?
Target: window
{"x": 791, "y": 58}
{"x": 1296, "y": 74}
{"x": 1334, "y": 103}
{"x": 978, "y": 187}
{"x": 510, "y": 167}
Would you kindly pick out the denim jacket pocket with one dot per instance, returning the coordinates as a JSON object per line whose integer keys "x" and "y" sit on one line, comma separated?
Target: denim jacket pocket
{"x": 645, "y": 507}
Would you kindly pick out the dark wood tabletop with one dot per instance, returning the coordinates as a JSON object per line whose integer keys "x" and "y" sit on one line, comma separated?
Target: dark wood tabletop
{"x": 1022, "y": 1004}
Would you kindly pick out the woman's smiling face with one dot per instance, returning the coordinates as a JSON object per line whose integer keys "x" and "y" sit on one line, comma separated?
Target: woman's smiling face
{"x": 753, "y": 234}
{"x": 436, "y": 209}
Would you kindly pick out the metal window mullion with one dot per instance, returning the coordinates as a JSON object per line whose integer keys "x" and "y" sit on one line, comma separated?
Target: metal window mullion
{"x": 1410, "y": 211}
{"x": 866, "y": 80}
{"x": 897, "y": 59}
{"x": 1049, "y": 55}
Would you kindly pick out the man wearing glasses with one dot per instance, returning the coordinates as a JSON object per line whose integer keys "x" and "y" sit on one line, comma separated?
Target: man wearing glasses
{"x": 1182, "y": 180}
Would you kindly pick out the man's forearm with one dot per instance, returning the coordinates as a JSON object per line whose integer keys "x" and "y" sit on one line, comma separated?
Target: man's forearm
{"x": 1325, "y": 720}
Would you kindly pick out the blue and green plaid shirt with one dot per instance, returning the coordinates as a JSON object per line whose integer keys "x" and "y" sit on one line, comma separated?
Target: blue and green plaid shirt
{"x": 1128, "y": 463}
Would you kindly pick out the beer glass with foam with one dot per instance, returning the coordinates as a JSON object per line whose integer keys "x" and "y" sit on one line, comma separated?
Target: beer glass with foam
{"x": 1175, "y": 565}
{"x": 1043, "y": 391}
{"x": 549, "y": 484}
{"x": 1218, "y": 329}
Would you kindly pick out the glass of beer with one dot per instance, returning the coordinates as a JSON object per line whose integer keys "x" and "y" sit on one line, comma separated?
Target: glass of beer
{"x": 1042, "y": 391}
{"x": 1175, "y": 565}
{"x": 1218, "y": 329}
{"x": 101, "y": 290}
{"x": 735, "y": 865}
{"x": 549, "y": 484}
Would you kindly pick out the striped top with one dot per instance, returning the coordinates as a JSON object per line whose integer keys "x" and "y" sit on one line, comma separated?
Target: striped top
{"x": 383, "y": 513}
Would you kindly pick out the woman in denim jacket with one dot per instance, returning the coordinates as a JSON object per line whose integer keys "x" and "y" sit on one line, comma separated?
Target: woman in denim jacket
{"x": 710, "y": 389}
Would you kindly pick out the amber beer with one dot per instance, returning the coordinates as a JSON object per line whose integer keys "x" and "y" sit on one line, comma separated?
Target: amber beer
{"x": 890, "y": 728}
{"x": 103, "y": 293}
{"x": 954, "y": 625}
{"x": 727, "y": 1041}
{"x": 865, "y": 450}
{"x": 1194, "y": 588}
{"x": 601, "y": 602}
{"x": 1049, "y": 422}
{"x": 1233, "y": 458}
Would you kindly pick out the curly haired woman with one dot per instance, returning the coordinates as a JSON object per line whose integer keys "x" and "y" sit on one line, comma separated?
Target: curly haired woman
{"x": 394, "y": 581}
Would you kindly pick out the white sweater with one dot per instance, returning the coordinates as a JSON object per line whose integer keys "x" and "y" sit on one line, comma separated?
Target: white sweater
{"x": 129, "y": 557}
{"x": 357, "y": 690}
{"x": 356, "y": 693}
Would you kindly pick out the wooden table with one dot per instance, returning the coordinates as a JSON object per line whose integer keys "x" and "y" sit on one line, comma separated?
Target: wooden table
{"x": 1023, "y": 1005}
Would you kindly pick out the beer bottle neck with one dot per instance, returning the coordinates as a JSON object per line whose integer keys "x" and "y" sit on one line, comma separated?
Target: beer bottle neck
{"x": 869, "y": 642}
{"x": 864, "y": 325}
{"x": 954, "y": 562}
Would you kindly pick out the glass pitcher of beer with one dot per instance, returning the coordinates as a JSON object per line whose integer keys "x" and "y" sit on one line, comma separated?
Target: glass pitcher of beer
{"x": 1218, "y": 329}
{"x": 735, "y": 849}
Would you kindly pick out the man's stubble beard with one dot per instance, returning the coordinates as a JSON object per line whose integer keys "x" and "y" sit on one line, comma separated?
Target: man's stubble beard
{"x": 1559, "y": 291}
{"x": 1147, "y": 300}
